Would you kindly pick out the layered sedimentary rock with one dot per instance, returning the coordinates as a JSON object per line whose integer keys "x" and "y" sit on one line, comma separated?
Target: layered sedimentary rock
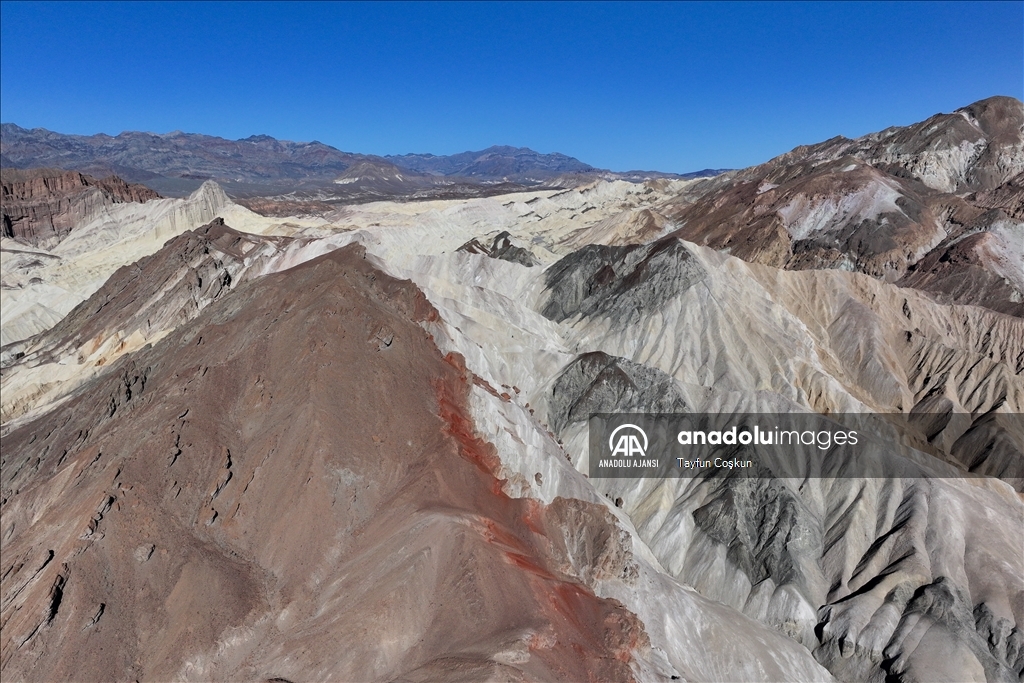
{"x": 137, "y": 305}
{"x": 1009, "y": 196}
{"x": 976, "y": 148}
{"x": 40, "y": 286}
{"x": 415, "y": 488}
{"x": 501, "y": 247}
{"x": 40, "y": 207}
{"x": 854, "y": 569}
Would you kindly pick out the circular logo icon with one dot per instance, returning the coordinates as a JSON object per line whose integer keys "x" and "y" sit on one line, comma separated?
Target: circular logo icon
{"x": 631, "y": 442}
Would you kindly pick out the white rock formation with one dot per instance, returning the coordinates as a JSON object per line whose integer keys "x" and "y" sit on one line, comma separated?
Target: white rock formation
{"x": 40, "y": 287}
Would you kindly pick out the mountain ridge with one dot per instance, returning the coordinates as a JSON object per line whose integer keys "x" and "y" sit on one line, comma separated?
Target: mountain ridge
{"x": 163, "y": 161}
{"x": 935, "y": 205}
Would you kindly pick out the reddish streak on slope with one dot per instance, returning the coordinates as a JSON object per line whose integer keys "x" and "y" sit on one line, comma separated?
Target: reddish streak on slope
{"x": 460, "y": 427}
{"x": 528, "y": 564}
{"x": 214, "y": 568}
{"x": 587, "y": 625}
{"x": 533, "y": 517}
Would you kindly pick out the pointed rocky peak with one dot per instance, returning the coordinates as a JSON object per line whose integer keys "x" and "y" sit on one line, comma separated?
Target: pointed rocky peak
{"x": 503, "y": 248}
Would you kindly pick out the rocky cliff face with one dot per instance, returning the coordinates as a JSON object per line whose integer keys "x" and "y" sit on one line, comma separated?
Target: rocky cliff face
{"x": 41, "y": 206}
{"x": 976, "y": 148}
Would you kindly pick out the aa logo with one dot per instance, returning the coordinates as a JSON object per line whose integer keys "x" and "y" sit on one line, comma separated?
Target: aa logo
{"x": 631, "y": 442}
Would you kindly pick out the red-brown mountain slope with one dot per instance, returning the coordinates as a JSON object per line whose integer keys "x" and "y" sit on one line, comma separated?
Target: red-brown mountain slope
{"x": 236, "y": 503}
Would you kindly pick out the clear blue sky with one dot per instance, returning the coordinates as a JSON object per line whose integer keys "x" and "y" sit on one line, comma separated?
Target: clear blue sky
{"x": 673, "y": 87}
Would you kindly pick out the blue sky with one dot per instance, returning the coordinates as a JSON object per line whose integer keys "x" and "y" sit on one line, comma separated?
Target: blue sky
{"x": 672, "y": 87}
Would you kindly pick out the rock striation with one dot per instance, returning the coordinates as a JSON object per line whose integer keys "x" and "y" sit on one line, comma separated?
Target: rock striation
{"x": 40, "y": 286}
{"x": 41, "y": 206}
{"x": 623, "y": 284}
{"x": 136, "y": 306}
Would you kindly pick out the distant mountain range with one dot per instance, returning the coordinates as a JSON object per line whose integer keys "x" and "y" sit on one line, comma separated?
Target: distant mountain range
{"x": 177, "y": 163}
{"x": 496, "y": 161}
